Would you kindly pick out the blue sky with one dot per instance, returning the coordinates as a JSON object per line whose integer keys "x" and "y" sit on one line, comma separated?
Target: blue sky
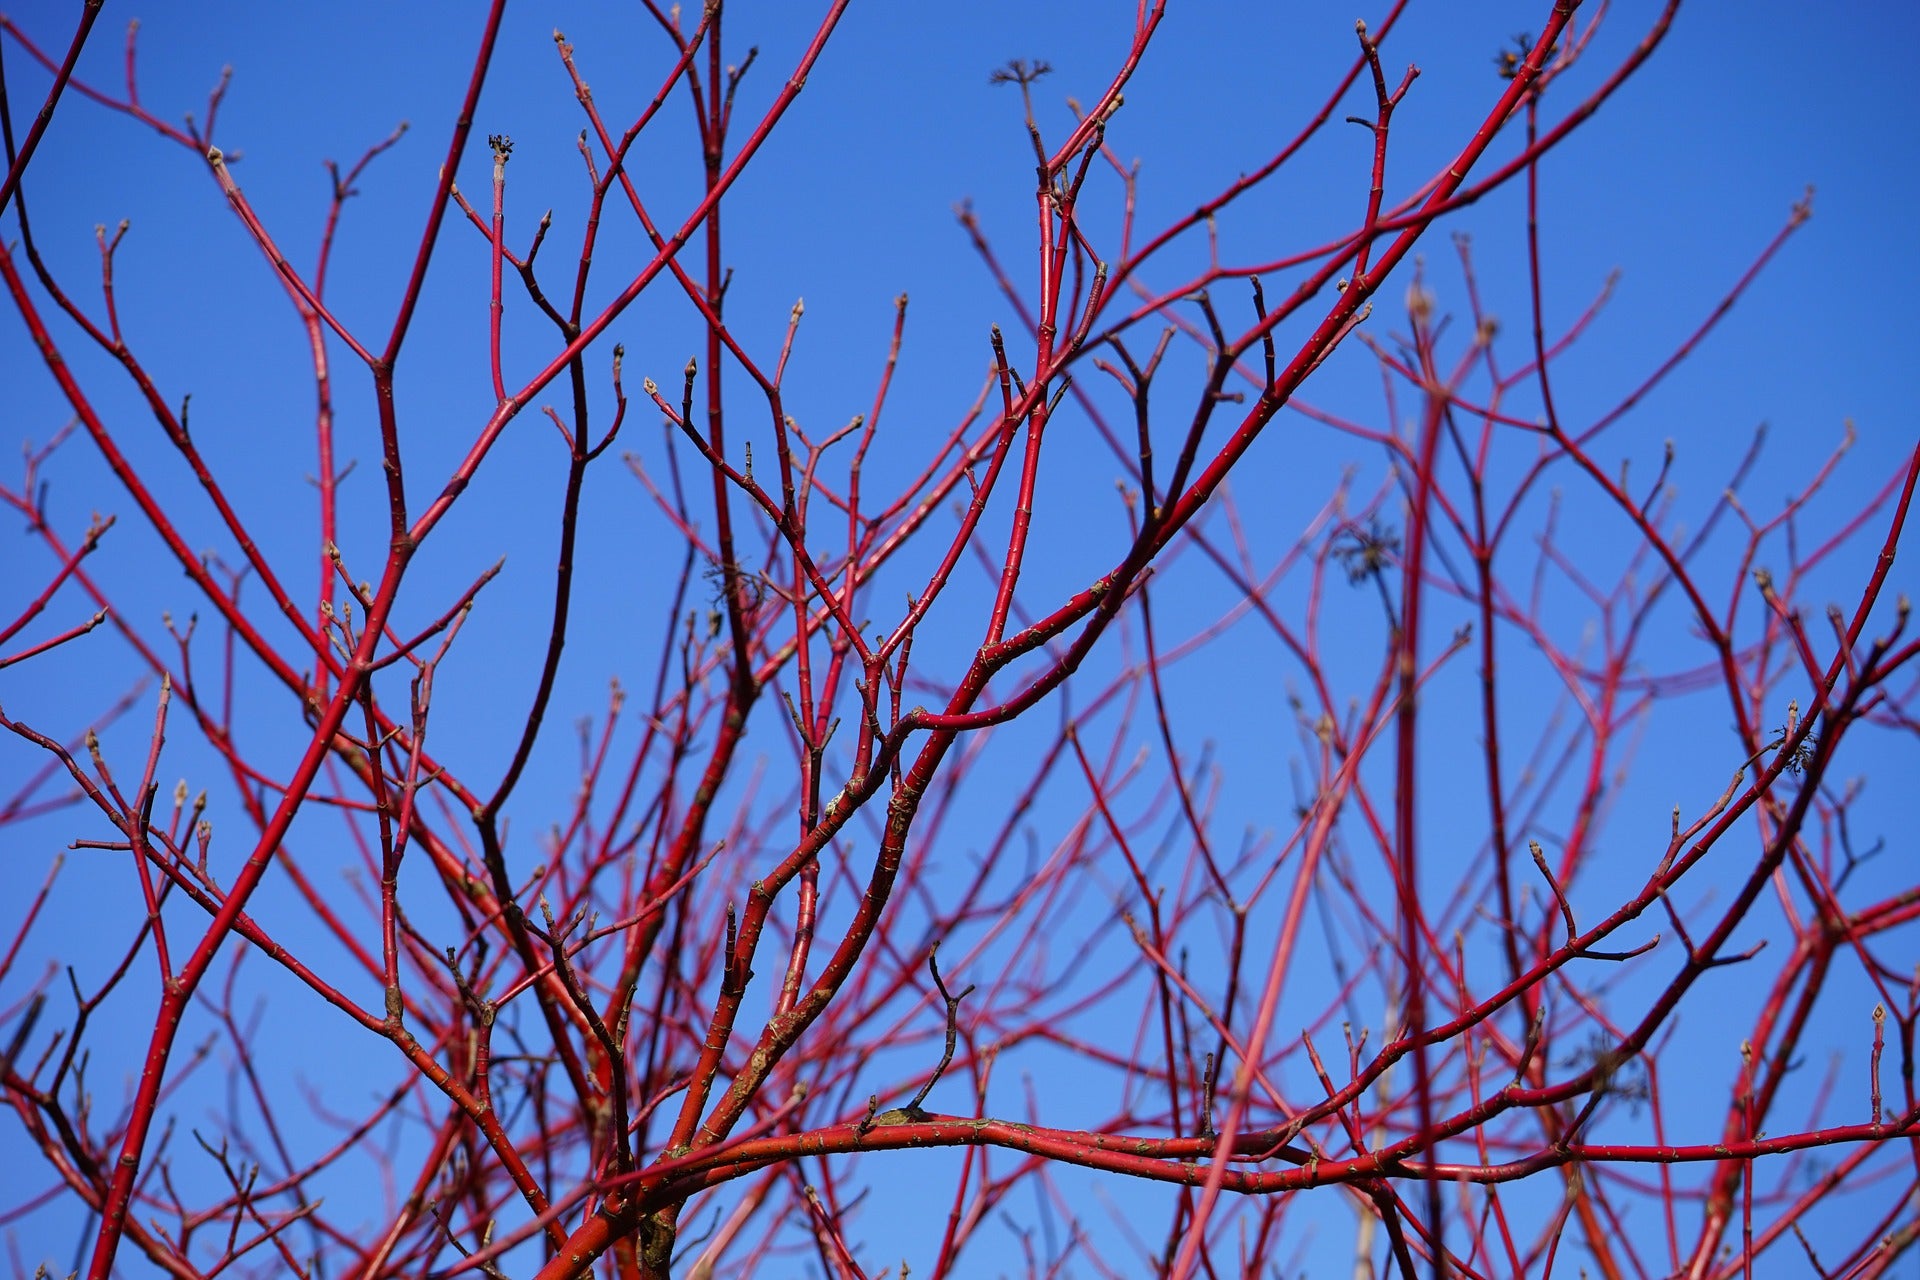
{"x": 1677, "y": 184}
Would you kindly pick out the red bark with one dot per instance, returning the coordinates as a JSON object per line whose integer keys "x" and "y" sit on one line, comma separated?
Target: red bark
{"x": 693, "y": 1024}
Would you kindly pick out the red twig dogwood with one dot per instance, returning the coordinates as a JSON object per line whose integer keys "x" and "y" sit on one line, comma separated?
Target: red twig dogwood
{"x": 671, "y": 1005}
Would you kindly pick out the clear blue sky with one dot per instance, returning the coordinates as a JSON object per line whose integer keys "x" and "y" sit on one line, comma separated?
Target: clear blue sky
{"x": 1678, "y": 184}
